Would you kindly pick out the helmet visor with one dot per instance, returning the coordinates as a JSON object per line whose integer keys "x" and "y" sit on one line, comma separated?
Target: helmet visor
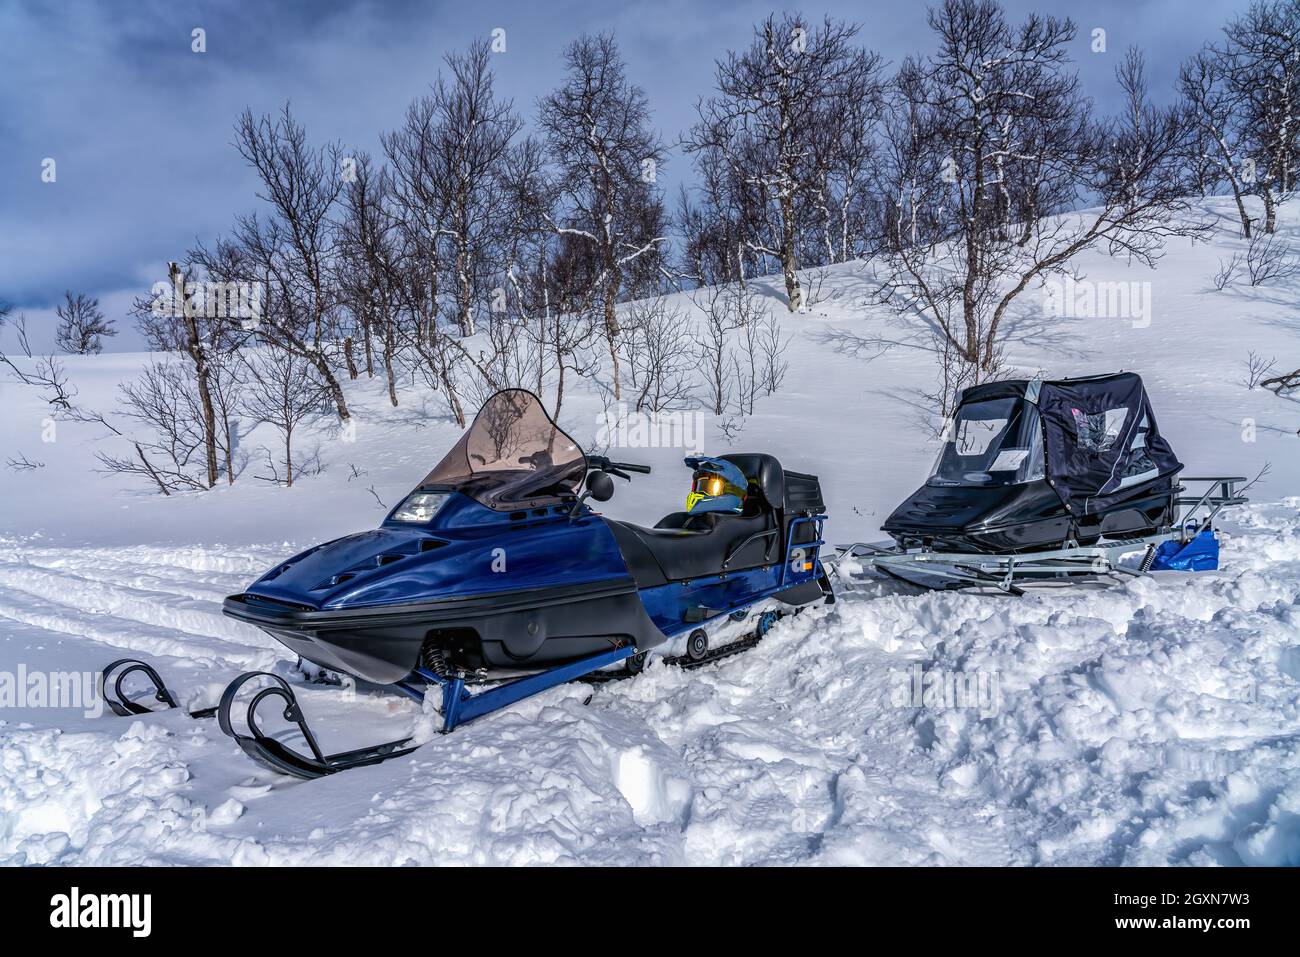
{"x": 711, "y": 485}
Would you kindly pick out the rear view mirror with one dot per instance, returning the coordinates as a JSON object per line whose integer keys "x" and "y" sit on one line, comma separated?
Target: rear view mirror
{"x": 600, "y": 486}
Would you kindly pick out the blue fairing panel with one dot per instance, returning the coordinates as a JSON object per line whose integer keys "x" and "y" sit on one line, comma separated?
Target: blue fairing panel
{"x": 670, "y": 606}
{"x": 679, "y": 607}
{"x": 467, "y": 549}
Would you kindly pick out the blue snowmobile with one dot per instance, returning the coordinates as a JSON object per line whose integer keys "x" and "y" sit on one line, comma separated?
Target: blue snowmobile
{"x": 495, "y": 574}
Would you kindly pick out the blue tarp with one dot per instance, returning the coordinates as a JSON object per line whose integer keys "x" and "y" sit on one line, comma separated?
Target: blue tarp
{"x": 1201, "y": 554}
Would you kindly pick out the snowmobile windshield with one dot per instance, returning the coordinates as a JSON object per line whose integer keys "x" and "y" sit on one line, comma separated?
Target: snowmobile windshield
{"x": 994, "y": 442}
{"x": 513, "y": 456}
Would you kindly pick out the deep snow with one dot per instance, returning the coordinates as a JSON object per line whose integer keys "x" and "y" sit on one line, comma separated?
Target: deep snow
{"x": 1155, "y": 721}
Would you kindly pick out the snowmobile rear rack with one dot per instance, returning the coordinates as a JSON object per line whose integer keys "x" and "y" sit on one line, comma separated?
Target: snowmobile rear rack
{"x": 1228, "y": 495}
{"x": 1007, "y": 572}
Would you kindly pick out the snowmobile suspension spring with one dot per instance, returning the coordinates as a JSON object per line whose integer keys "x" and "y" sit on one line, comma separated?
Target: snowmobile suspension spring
{"x": 434, "y": 659}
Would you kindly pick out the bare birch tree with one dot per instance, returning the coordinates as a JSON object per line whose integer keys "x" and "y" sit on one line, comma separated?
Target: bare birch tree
{"x": 780, "y": 122}
{"x": 290, "y": 248}
{"x": 992, "y": 149}
{"x": 82, "y": 325}
{"x": 281, "y": 390}
{"x": 606, "y": 157}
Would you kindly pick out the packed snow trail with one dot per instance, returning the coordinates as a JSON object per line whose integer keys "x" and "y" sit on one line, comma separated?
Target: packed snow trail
{"x": 1152, "y": 721}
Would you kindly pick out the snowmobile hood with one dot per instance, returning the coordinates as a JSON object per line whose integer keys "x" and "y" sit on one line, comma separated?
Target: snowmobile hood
{"x": 395, "y": 565}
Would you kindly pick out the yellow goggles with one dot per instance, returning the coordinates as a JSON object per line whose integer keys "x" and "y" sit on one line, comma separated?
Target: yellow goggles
{"x": 711, "y": 486}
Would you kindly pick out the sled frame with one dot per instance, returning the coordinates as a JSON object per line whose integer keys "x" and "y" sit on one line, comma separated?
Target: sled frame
{"x": 1007, "y": 572}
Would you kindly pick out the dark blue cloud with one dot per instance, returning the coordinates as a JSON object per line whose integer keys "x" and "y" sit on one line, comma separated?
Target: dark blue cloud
{"x": 140, "y": 126}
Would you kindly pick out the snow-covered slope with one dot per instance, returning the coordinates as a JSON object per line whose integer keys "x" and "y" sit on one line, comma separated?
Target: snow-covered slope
{"x": 1156, "y": 721}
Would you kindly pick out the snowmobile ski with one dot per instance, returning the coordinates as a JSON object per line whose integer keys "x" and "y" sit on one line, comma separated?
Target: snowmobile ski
{"x": 273, "y": 754}
{"x": 122, "y": 705}
{"x": 458, "y": 706}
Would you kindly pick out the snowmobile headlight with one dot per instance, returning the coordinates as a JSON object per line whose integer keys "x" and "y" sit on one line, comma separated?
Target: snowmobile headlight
{"x": 419, "y": 507}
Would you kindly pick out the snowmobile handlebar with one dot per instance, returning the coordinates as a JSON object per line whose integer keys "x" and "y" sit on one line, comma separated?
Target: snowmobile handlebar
{"x": 602, "y": 464}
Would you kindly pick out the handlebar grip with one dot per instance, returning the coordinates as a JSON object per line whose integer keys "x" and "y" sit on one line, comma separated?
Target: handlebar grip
{"x": 643, "y": 469}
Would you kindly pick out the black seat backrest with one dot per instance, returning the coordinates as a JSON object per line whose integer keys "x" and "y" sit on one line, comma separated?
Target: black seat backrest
{"x": 765, "y": 473}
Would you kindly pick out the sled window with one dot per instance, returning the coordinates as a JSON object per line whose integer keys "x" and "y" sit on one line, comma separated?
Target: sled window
{"x": 994, "y": 442}
{"x": 1099, "y": 431}
{"x": 512, "y": 455}
{"x": 1140, "y": 466}
{"x": 974, "y": 436}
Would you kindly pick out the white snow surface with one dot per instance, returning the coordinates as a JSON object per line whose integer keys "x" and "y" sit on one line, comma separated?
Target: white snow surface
{"x": 1155, "y": 721}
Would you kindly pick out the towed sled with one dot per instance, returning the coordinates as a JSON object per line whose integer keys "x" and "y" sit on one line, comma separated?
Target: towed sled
{"x": 494, "y": 580}
{"x": 1050, "y": 481}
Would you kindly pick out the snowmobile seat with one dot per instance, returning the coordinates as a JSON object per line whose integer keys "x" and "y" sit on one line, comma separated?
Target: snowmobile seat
{"x": 698, "y": 546}
{"x": 683, "y": 546}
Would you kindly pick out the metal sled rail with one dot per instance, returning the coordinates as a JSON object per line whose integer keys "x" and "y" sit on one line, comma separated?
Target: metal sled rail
{"x": 1228, "y": 495}
{"x": 1007, "y": 572}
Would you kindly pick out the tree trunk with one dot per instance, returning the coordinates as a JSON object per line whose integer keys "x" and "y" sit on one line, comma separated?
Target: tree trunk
{"x": 559, "y": 386}
{"x": 1241, "y": 208}
{"x": 209, "y": 420}
{"x": 202, "y": 375}
{"x": 366, "y": 333}
{"x": 453, "y": 399}
{"x": 148, "y": 467}
{"x": 1270, "y": 211}
{"x": 347, "y": 355}
{"x": 464, "y": 294}
{"x": 388, "y": 363}
{"x": 331, "y": 383}
{"x": 612, "y": 330}
{"x": 230, "y": 450}
{"x": 789, "y": 256}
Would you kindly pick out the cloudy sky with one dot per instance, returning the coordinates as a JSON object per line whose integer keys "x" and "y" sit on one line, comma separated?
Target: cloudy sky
{"x": 140, "y": 126}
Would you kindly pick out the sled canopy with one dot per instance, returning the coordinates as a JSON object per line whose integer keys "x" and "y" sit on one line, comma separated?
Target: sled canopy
{"x": 1100, "y": 438}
